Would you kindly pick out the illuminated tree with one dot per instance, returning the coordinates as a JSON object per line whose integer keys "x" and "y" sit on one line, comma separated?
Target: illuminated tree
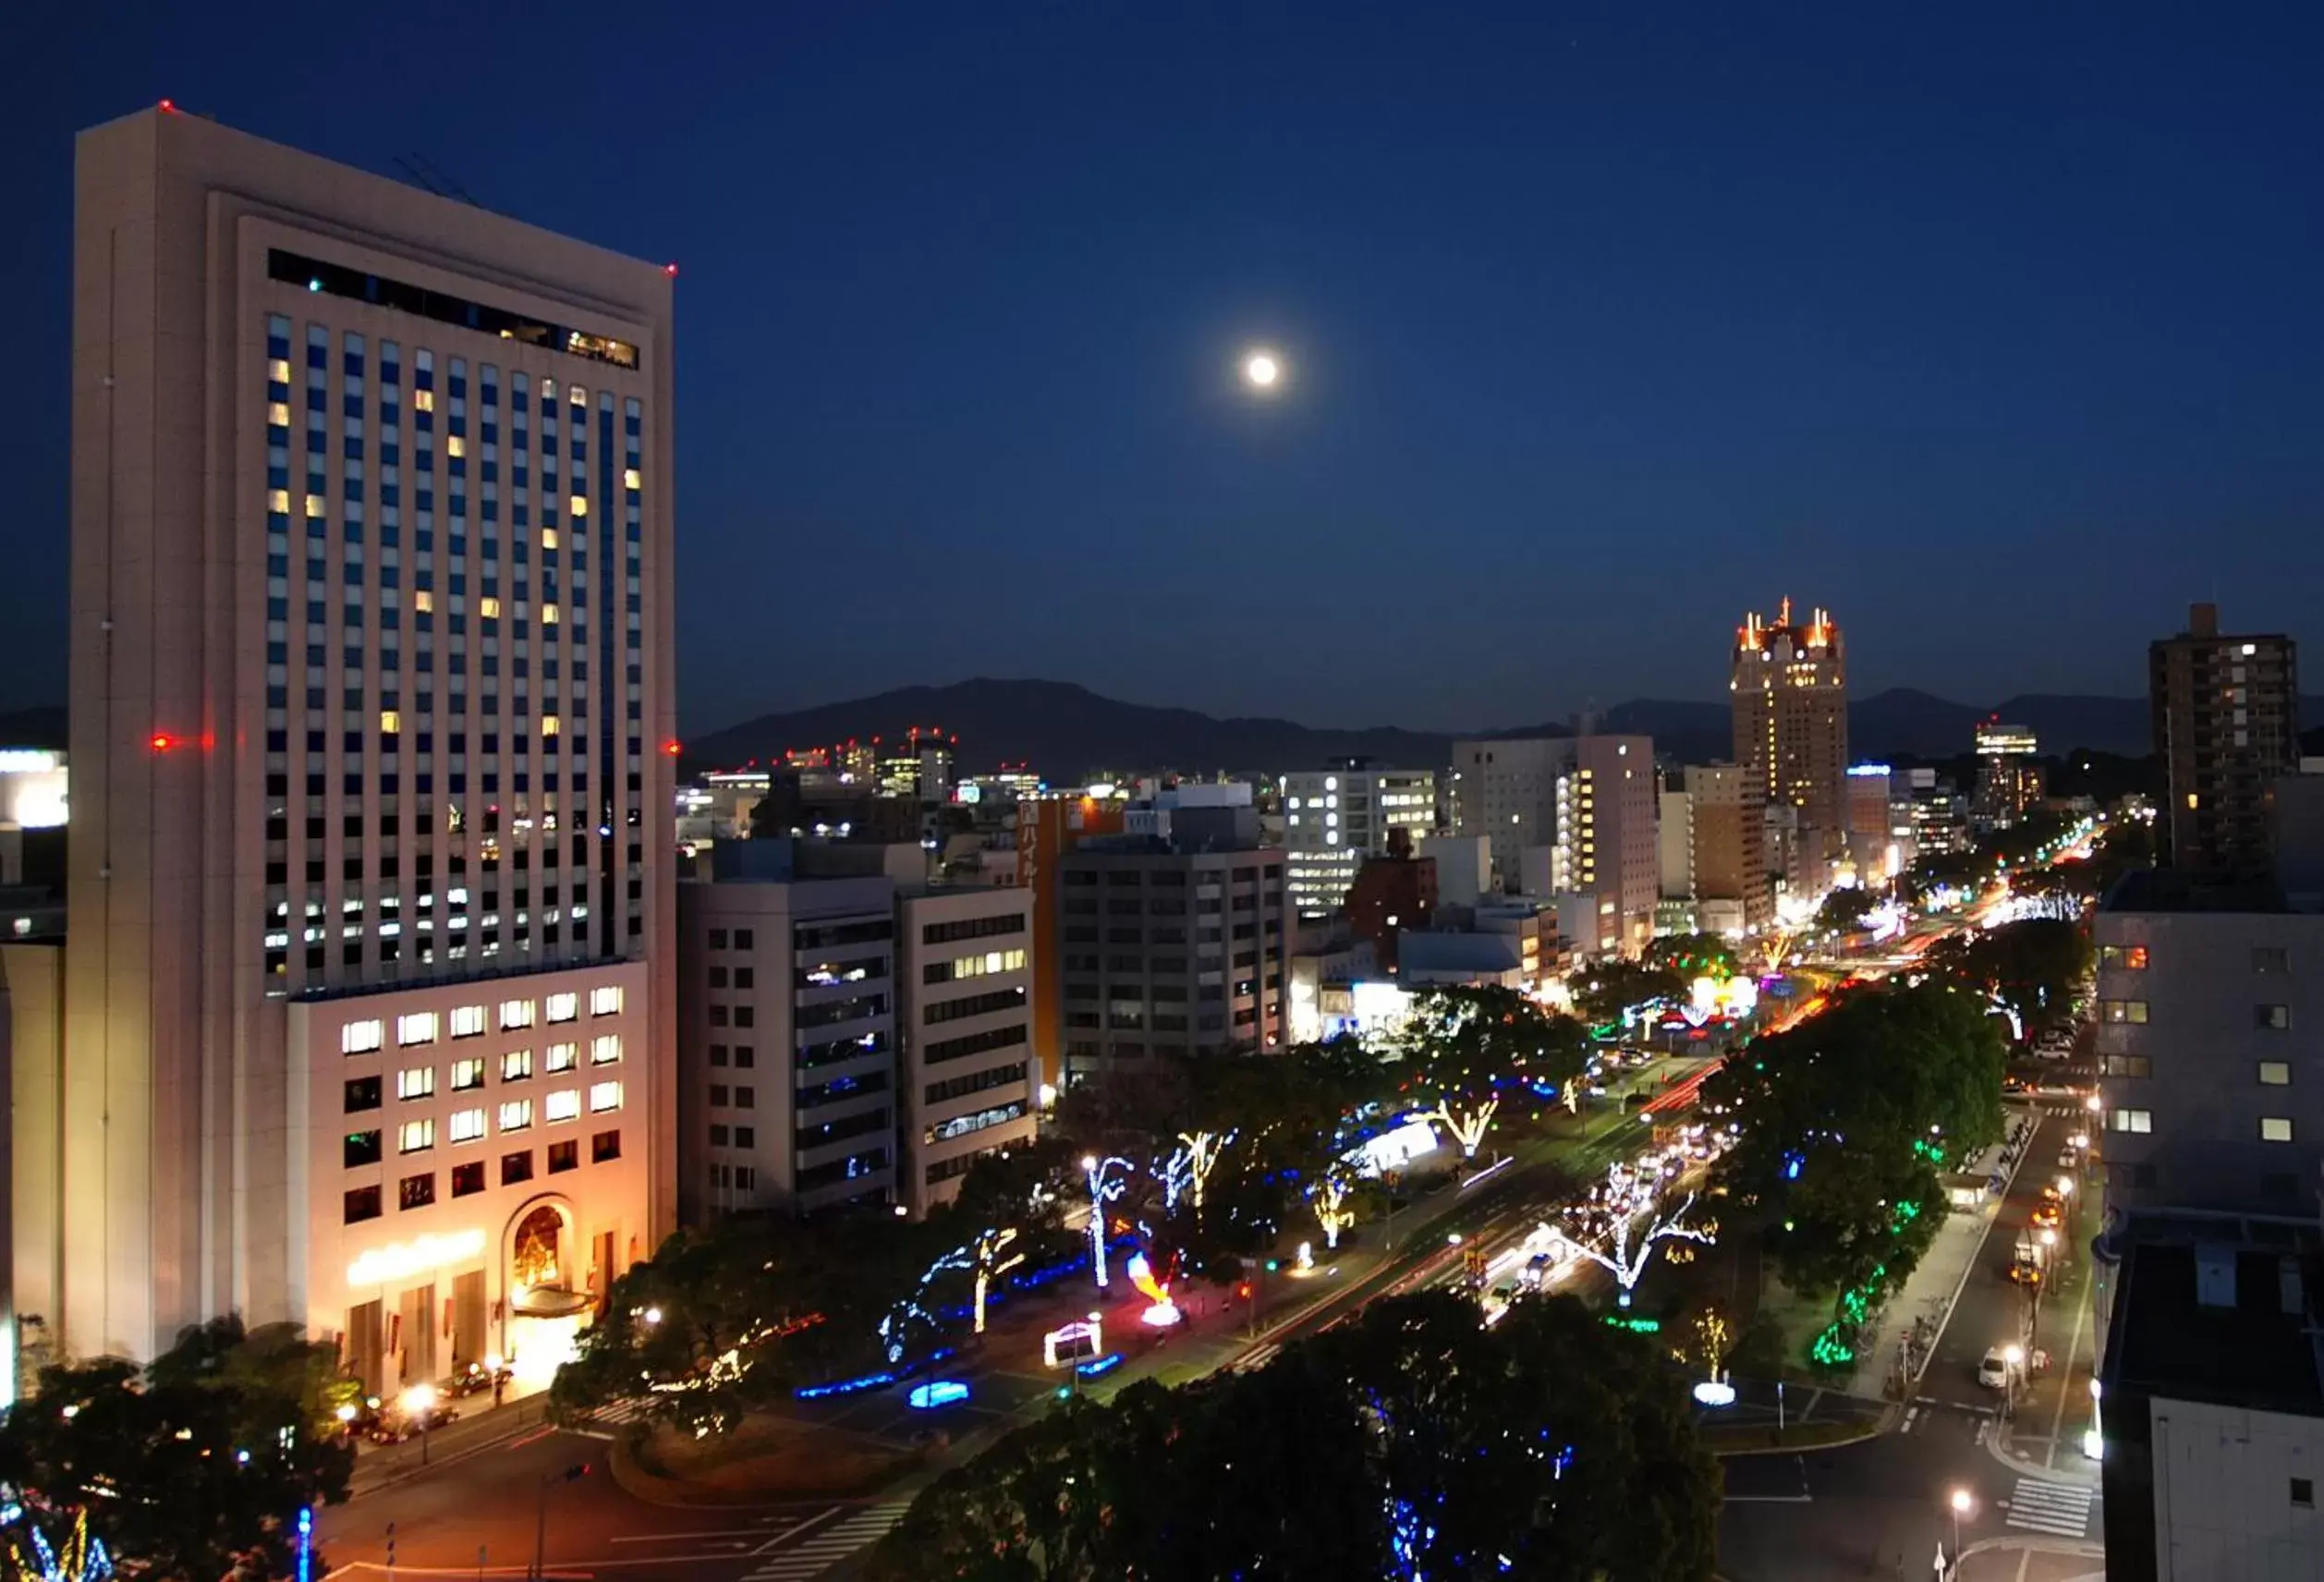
{"x": 991, "y": 1265}
{"x": 1332, "y": 1210}
{"x": 1623, "y": 1221}
{"x": 1463, "y": 1050}
{"x": 1106, "y": 1178}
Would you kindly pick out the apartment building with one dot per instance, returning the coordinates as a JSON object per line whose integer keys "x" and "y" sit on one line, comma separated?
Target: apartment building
{"x": 965, "y": 1024}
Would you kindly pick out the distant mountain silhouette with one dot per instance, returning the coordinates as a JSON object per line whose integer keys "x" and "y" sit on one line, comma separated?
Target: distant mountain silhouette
{"x": 1065, "y": 731}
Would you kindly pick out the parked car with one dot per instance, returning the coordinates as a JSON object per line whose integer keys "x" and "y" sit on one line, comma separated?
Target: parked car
{"x": 1993, "y": 1371}
{"x": 2068, "y": 1159}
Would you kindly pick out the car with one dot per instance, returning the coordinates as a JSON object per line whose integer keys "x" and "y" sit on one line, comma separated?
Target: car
{"x": 1993, "y": 1371}
{"x": 2046, "y": 1214}
{"x": 2069, "y": 1159}
{"x": 2024, "y": 1273}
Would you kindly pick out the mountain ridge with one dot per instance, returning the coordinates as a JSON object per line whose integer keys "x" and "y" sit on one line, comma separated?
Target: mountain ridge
{"x": 1065, "y": 731}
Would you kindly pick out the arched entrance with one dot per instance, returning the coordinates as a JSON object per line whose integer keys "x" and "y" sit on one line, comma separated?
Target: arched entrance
{"x": 546, "y": 1299}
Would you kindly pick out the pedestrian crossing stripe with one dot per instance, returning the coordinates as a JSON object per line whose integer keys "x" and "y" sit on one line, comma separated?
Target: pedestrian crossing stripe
{"x": 2060, "y": 1508}
{"x": 625, "y": 1411}
{"x": 827, "y": 1545}
{"x": 1251, "y": 1360}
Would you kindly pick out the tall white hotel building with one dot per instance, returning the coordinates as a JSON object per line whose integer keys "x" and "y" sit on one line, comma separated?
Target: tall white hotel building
{"x": 369, "y": 965}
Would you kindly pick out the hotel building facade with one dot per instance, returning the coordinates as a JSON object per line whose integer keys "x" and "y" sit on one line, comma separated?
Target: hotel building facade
{"x": 369, "y": 1010}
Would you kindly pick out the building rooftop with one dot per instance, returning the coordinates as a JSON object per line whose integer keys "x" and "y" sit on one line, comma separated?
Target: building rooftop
{"x": 2260, "y": 1352}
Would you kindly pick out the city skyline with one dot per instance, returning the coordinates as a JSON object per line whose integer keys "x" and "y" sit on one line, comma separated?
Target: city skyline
{"x": 2014, "y": 331}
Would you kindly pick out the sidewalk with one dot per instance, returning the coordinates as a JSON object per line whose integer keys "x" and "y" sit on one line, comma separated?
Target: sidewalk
{"x": 1925, "y": 1301}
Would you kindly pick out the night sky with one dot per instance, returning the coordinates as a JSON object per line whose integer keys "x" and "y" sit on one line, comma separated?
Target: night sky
{"x": 1998, "y": 330}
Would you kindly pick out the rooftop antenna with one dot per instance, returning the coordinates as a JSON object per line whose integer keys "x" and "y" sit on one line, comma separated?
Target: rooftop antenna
{"x": 425, "y": 173}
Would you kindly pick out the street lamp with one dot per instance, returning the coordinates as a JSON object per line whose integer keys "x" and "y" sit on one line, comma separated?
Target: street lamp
{"x": 2094, "y": 1441}
{"x": 418, "y": 1402}
{"x": 1962, "y": 1505}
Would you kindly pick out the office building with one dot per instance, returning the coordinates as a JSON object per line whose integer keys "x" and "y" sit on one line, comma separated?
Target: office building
{"x": 1047, "y": 829}
{"x": 787, "y": 1060}
{"x": 1789, "y": 694}
{"x": 965, "y": 1024}
{"x": 1336, "y": 817}
{"x": 1675, "y": 846}
{"x": 2227, "y": 723}
{"x": 1730, "y": 865}
{"x": 2010, "y": 774}
{"x": 1170, "y": 946}
{"x": 372, "y": 703}
{"x": 1393, "y": 895}
{"x": 1589, "y": 801}
{"x": 1464, "y": 868}
{"x": 2207, "y": 997}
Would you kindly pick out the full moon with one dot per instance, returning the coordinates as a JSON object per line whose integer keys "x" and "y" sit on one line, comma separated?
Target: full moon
{"x": 1262, "y": 370}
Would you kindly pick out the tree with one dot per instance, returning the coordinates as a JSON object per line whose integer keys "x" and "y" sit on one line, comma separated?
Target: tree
{"x": 730, "y": 1317}
{"x": 1844, "y": 909}
{"x": 1624, "y": 1217}
{"x": 1606, "y": 992}
{"x": 1465, "y": 1050}
{"x": 2033, "y": 967}
{"x": 1848, "y": 1117}
{"x": 1691, "y": 955}
{"x": 192, "y": 1467}
{"x": 1412, "y": 1441}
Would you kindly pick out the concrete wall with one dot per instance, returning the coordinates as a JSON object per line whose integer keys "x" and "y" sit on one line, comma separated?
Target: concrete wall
{"x": 2222, "y": 1492}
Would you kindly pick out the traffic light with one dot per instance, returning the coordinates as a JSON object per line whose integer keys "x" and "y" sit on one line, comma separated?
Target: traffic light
{"x": 1242, "y": 1290}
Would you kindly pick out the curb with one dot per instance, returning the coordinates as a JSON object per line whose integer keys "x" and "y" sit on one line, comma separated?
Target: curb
{"x": 1880, "y": 1425}
{"x": 359, "y": 1487}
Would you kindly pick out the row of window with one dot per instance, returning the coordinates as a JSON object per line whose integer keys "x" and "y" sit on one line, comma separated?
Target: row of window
{"x": 516, "y": 1065}
{"x": 2269, "y": 1073}
{"x": 469, "y": 1021}
{"x": 975, "y": 1082}
{"x": 960, "y": 928}
{"x": 2264, "y": 1017}
{"x": 419, "y": 1135}
{"x": 2273, "y": 1128}
{"x": 983, "y": 965}
{"x": 360, "y": 1203}
{"x": 2270, "y": 959}
{"x": 983, "y": 1120}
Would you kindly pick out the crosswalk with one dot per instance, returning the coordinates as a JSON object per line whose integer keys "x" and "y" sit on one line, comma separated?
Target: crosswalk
{"x": 605, "y": 1419}
{"x": 2043, "y": 1506}
{"x": 1257, "y": 1358}
{"x": 825, "y": 1546}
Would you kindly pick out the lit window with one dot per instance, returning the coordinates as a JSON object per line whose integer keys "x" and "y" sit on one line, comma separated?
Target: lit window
{"x": 515, "y": 1013}
{"x": 488, "y": 607}
{"x": 2131, "y": 1121}
{"x": 577, "y": 505}
{"x": 548, "y": 538}
{"x": 278, "y": 500}
{"x": 466, "y": 1074}
{"x": 390, "y": 721}
{"x": 416, "y": 1082}
{"x": 455, "y": 445}
{"x": 360, "y": 1037}
{"x": 418, "y": 1027}
{"x": 562, "y": 1056}
{"x": 315, "y": 505}
{"x": 2131, "y": 1011}
{"x": 2275, "y": 1129}
{"x": 278, "y": 413}
{"x": 564, "y": 1007}
{"x": 565, "y": 1105}
{"x": 423, "y": 601}
{"x": 605, "y": 1096}
{"x": 516, "y": 1065}
{"x": 2272, "y": 1018}
{"x": 468, "y": 1126}
{"x": 549, "y": 726}
{"x": 278, "y": 370}
{"x": 630, "y": 478}
{"x": 2126, "y": 957}
{"x": 579, "y": 396}
{"x": 416, "y": 1137}
{"x": 604, "y": 1048}
{"x": 423, "y": 400}
{"x": 515, "y": 1114}
{"x": 605, "y": 1001}
{"x": 548, "y": 614}
{"x": 467, "y": 1020}
{"x": 2275, "y": 1074}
